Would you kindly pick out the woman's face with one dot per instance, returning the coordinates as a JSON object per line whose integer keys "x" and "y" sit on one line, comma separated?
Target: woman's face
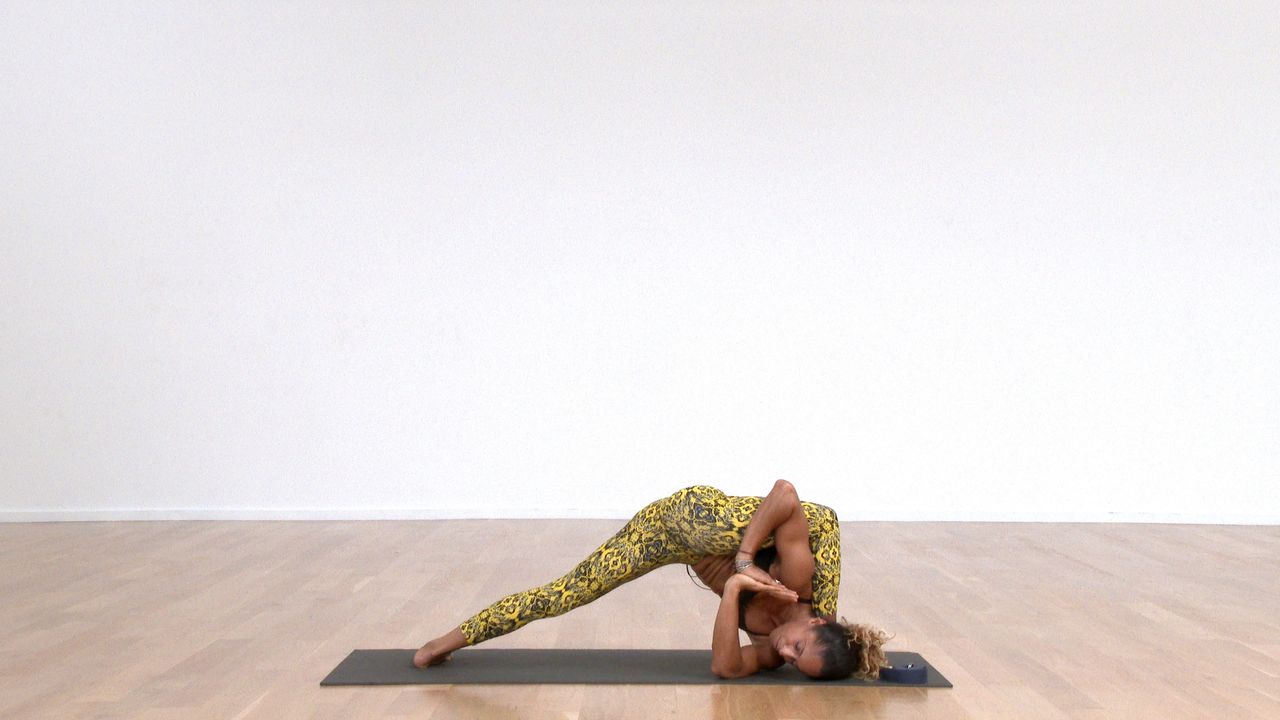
{"x": 797, "y": 643}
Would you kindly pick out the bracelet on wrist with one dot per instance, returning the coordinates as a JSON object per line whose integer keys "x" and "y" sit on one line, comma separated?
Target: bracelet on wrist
{"x": 741, "y": 566}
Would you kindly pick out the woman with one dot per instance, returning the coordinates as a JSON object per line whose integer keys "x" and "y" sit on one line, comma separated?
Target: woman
{"x": 774, "y": 561}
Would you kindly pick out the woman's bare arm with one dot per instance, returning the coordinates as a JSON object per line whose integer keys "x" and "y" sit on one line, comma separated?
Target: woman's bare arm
{"x": 728, "y": 658}
{"x": 781, "y": 515}
{"x": 774, "y": 510}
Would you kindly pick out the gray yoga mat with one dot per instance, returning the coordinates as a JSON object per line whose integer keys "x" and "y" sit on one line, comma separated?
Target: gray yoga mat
{"x": 576, "y": 667}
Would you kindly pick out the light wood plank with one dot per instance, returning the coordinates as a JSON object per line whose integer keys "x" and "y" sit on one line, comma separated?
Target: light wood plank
{"x": 241, "y": 620}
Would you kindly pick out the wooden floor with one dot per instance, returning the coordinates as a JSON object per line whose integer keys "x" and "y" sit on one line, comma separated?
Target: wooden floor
{"x": 239, "y": 620}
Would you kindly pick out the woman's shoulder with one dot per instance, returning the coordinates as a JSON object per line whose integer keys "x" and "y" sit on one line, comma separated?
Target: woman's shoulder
{"x": 768, "y": 657}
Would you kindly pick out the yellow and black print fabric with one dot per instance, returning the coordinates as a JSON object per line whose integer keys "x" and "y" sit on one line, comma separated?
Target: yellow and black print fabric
{"x": 690, "y": 524}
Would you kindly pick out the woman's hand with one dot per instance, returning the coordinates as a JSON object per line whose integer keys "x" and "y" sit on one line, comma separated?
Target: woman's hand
{"x": 771, "y": 587}
{"x": 754, "y": 571}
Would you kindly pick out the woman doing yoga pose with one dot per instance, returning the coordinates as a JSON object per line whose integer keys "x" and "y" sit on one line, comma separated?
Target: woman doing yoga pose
{"x": 774, "y": 562}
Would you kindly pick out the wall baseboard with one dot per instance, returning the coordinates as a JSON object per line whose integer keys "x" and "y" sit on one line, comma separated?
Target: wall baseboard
{"x": 336, "y": 514}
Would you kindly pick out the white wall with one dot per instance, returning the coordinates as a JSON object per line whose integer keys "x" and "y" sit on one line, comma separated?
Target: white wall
{"x": 927, "y": 260}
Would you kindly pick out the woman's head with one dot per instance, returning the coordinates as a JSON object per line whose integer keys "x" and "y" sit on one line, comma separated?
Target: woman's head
{"x": 830, "y": 650}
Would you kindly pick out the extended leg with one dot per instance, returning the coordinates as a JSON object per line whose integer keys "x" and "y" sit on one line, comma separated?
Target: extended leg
{"x": 639, "y": 547}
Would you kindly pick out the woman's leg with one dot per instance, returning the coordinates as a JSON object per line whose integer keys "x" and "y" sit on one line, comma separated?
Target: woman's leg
{"x": 642, "y": 545}
{"x": 708, "y": 522}
{"x": 691, "y": 524}
{"x": 824, "y": 542}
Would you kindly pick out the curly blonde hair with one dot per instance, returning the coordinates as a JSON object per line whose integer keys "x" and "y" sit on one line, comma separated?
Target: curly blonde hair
{"x": 852, "y": 649}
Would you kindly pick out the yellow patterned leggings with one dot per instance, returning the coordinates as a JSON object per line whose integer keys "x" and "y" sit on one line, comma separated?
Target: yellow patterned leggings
{"x": 689, "y": 525}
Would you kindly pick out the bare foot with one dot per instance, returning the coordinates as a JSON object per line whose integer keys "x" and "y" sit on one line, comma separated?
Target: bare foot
{"x": 440, "y": 649}
{"x": 428, "y": 655}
